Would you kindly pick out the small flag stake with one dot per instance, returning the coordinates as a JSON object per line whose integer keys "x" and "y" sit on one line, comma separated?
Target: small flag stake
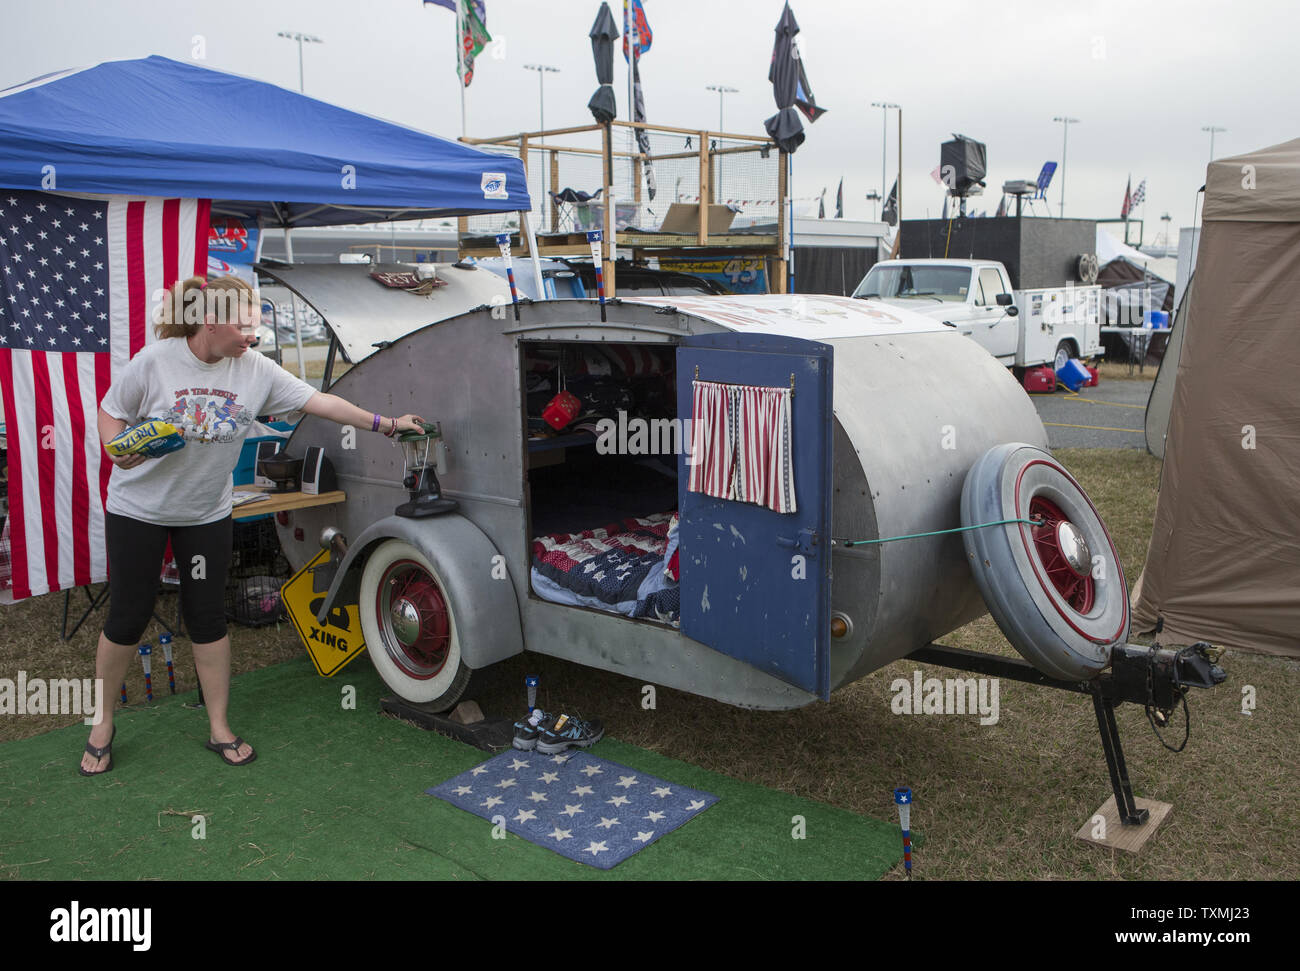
{"x": 503, "y": 243}
{"x": 145, "y": 658}
{"x": 594, "y": 238}
{"x": 903, "y": 801}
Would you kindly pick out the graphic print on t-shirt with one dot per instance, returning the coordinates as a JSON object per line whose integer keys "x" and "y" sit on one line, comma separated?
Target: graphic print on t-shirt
{"x": 207, "y": 415}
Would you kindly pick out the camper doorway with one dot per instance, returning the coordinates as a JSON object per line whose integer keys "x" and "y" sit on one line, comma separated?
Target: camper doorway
{"x": 602, "y": 437}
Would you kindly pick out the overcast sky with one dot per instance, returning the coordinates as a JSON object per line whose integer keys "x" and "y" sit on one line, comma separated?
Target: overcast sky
{"x": 1143, "y": 76}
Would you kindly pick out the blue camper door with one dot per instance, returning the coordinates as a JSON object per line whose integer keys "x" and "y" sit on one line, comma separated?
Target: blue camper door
{"x": 755, "y": 583}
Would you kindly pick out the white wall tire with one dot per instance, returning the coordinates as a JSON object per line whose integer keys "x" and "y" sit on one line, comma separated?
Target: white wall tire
{"x": 1064, "y": 352}
{"x": 410, "y": 625}
{"x": 1063, "y": 621}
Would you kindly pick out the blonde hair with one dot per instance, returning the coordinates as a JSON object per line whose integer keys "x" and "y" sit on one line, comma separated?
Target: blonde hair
{"x": 188, "y": 303}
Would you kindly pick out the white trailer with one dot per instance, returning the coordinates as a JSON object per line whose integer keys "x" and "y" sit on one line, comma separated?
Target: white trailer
{"x": 1021, "y": 328}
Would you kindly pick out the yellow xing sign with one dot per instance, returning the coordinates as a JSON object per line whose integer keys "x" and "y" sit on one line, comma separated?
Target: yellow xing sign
{"x": 331, "y": 645}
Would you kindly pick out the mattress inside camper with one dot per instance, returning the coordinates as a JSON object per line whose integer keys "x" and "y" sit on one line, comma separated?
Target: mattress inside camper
{"x": 629, "y": 568}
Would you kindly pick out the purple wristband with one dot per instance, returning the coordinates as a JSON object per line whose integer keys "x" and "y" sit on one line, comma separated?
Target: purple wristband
{"x": 375, "y": 426}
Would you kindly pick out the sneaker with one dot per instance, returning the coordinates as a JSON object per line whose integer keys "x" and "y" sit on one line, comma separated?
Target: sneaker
{"x": 527, "y": 730}
{"x": 569, "y": 732}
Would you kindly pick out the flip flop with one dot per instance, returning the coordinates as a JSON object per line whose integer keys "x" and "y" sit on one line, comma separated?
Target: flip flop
{"x": 222, "y": 747}
{"x": 99, "y": 753}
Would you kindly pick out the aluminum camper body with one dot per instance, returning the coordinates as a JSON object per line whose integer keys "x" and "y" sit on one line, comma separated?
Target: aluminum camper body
{"x": 890, "y": 411}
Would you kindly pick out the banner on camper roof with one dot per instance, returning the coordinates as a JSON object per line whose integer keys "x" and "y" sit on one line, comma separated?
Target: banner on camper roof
{"x": 737, "y": 275}
{"x": 232, "y": 249}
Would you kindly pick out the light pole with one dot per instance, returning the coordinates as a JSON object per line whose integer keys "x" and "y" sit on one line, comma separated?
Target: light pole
{"x": 722, "y": 90}
{"x": 1065, "y": 138}
{"x": 542, "y": 70}
{"x": 301, "y": 38}
{"x": 884, "y": 107}
{"x": 1212, "y": 129}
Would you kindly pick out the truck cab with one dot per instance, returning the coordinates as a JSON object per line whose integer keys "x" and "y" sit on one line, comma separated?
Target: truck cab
{"x": 1021, "y": 328}
{"x": 972, "y": 296}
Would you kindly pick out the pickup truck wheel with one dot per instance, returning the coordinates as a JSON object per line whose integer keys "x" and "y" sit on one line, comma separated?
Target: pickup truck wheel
{"x": 1056, "y": 589}
{"x": 1064, "y": 351}
{"x": 410, "y": 627}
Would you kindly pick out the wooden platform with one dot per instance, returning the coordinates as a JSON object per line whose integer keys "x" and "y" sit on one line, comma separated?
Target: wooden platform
{"x": 283, "y": 501}
{"x": 1120, "y": 837}
{"x": 488, "y": 734}
{"x": 575, "y": 244}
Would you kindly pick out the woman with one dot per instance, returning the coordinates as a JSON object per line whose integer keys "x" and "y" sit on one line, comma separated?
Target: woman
{"x": 201, "y": 368}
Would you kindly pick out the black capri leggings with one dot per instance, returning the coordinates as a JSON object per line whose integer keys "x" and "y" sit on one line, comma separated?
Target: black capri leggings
{"x": 135, "y": 552}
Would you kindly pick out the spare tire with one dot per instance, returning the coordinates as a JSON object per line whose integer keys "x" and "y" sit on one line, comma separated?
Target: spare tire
{"x": 1057, "y": 589}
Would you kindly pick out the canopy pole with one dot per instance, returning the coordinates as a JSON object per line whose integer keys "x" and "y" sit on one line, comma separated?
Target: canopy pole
{"x": 631, "y": 77}
{"x": 789, "y": 201}
{"x": 527, "y": 220}
{"x": 293, "y": 304}
{"x": 460, "y": 61}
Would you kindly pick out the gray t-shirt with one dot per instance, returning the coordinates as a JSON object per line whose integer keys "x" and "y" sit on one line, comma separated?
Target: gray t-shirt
{"x": 214, "y": 406}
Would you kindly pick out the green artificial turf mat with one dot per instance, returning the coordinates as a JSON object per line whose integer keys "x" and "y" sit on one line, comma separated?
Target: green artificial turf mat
{"x": 339, "y": 794}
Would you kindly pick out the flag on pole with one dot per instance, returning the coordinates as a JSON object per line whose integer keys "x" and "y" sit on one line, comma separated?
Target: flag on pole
{"x": 1128, "y": 199}
{"x": 643, "y": 33}
{"x": 889, "y": 212}
{"x": 81, "y": 278}
{"x": 1002, "y": 207}
{"x": 803, "y": 96}
{"x": 473, "y": 38}
{"x": 1140, "y": 195}
{"x": 471, "y": 26}
{"x": 839, "y": 200}
{"x": 644, "y": 37}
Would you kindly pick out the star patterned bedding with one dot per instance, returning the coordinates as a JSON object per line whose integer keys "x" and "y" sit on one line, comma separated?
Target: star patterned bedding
{"x": 628, "y": 568}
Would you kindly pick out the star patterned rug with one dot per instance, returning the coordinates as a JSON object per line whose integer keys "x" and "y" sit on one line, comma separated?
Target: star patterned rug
{"x": 575, "y": 804}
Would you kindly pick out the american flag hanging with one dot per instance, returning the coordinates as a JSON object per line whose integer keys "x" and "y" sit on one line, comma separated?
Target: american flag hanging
{"x": 79, "y": 281}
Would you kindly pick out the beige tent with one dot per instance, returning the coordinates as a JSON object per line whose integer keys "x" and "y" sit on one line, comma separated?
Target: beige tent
{"x": 1224, "y": 560}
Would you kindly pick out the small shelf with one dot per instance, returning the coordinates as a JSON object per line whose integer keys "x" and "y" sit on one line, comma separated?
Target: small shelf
{"x": 283, "y": 502}
{"x": 561, "y": 441}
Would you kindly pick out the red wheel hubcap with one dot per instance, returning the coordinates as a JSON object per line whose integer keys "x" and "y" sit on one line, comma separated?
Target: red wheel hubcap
{"x": 413, "y": 616}
{"x": 1077, "y": 591}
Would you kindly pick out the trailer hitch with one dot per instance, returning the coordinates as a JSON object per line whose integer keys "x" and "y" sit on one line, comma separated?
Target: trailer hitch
{"x": 1156, "y": 678}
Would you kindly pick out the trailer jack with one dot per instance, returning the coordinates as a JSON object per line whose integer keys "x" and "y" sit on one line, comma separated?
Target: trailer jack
{"x": 1156, "y": 678}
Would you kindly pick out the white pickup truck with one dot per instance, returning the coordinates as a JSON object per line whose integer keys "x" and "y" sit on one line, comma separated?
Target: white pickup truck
{"x": 1021, "y": 328}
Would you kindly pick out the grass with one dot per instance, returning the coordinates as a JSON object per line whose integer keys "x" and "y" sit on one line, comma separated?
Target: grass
{"x": 995, "y": 802}
{"x": 1119, "y": 371}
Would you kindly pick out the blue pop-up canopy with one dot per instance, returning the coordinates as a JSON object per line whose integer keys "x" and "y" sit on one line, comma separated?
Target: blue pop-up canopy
{"x": 158, "y": 127}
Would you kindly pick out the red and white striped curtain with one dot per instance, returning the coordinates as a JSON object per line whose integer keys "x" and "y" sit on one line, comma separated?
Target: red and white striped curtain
{"x": 741, "y": 444}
